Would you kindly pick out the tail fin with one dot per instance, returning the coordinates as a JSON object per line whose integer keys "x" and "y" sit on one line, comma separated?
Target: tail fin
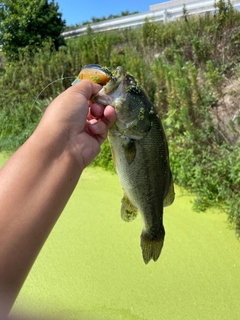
{"x": 151, "y": 247}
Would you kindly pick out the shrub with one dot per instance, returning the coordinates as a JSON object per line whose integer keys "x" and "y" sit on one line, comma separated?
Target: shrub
{"x": 183, "y": 66}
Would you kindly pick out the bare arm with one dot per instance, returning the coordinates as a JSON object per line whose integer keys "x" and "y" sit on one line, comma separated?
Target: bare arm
{"x": 38, "y": 180}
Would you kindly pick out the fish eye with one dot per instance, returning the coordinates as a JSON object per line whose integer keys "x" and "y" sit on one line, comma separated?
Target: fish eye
{"x": 133, "y": 89}
{"x": 133, "y": 86}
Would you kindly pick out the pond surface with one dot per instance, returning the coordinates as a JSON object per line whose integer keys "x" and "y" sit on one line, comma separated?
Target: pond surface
{"x": 91, "y": 266}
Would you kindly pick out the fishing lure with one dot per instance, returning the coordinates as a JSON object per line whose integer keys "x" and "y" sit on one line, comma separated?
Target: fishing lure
{"x": 95, "y": 73}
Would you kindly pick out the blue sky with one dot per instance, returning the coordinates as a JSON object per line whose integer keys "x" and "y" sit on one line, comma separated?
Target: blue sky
{"x": 77, "y": 11}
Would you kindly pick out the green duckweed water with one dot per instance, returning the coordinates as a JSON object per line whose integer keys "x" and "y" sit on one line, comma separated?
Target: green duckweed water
{"x": 91, "y": 266}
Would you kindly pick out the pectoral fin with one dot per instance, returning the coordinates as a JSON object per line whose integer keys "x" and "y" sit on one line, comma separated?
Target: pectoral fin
{"x": 130, "y": 150}
{"x": 128, "y": 211}
{"x": 170, "y": 195}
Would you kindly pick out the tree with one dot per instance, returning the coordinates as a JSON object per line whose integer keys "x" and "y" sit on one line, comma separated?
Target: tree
{"x": 29, "y": 23}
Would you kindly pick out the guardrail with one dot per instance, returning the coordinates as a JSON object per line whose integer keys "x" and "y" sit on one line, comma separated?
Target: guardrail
{"x": 168, "y": 11}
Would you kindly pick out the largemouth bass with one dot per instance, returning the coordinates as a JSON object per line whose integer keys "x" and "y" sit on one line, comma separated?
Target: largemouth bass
{"x": 140, "y": 153}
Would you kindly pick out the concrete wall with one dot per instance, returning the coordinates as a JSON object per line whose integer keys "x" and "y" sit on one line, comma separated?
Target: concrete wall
{"x": 169, "y": 4}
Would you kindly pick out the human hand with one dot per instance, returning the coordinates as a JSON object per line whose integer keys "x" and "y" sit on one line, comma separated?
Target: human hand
{"x": 40, "y": 177}
{"x": 79, "y": 125}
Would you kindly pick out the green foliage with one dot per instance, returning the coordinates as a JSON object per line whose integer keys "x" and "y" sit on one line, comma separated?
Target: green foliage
{"x": 104, "y": 159}
{"x": 212, "y": 174}
{"x": 225, "y": 14}
{"x": 182, "y": 65}
{"x": 18, "y": 120}
{"x": 28, "y": 24}
{"x": 214, "y": 78}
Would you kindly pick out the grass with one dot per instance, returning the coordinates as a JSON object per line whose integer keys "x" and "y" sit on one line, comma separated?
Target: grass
{"x": 91, "y": 265}
{"x": 187, "y": 67}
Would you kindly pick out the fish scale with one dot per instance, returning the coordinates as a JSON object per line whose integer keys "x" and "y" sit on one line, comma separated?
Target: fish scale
{"x": 145, "y": 184}
{"x": 140, "y": 153}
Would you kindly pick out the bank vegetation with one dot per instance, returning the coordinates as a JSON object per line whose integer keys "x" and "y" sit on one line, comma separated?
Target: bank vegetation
{"x": 190, "y": 69}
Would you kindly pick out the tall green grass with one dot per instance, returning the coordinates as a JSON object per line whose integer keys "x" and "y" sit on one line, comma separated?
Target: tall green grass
{"x": 183, "y": 66}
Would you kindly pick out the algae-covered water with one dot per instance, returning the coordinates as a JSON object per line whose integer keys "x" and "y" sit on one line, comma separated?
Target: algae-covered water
{"x": 91, "y": 265}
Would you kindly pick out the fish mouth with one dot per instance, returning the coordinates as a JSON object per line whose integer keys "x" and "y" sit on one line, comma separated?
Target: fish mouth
{"x": 112, "y": 82}
{"x": 118, "y": 77}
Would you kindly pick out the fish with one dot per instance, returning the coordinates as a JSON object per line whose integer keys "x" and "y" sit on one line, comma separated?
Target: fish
{"x": 140, "y": 153}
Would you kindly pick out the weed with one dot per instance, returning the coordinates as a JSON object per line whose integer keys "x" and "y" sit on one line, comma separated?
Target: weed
{"x": 182, "y": 65}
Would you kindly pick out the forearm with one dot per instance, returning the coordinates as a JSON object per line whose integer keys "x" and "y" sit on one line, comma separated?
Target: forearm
{"x": 38, "y": 180}
{"x": 35, "y": 185}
